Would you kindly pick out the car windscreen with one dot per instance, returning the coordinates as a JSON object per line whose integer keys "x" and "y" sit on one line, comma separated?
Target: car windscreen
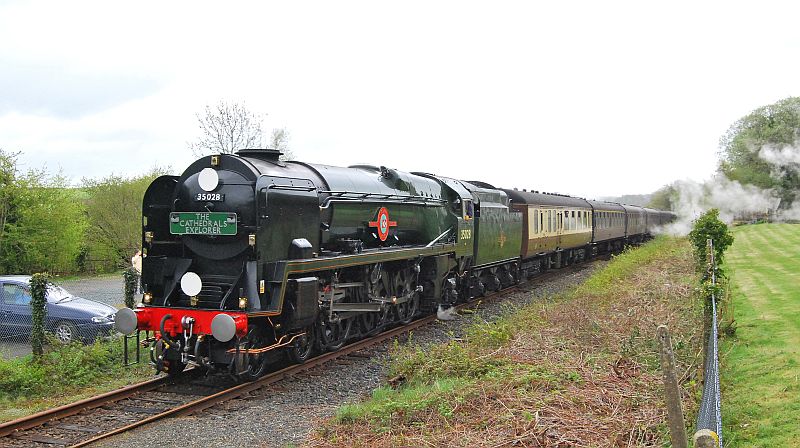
{"x": 58, "y": 294}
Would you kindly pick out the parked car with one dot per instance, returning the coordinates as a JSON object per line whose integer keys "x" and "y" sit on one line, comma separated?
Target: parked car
{"x": 68, "y": 317}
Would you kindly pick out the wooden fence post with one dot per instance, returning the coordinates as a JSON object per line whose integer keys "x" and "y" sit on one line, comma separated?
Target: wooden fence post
{"x": 706, "y": 438}
{"x": 677, "y": 425}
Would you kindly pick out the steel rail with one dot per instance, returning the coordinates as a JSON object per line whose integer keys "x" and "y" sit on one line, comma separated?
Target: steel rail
{"x": 40, "y": 418}
{"x": 191, "y": 407}
{"x": 201, "y": 404}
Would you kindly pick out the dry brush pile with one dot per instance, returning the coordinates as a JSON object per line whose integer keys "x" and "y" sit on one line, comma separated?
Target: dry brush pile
{"x": 578, "y": 370}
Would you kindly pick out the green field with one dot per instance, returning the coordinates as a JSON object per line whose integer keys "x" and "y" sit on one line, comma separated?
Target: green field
{"x": 761, "y": 364}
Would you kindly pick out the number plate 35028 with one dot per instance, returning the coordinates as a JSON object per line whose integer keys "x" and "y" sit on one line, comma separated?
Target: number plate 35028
{"x": 210, "y": 197}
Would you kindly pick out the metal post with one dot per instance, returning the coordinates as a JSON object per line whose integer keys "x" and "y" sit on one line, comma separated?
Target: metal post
{"x": 677, "y": 427}
{"x": 138, "y": 347}
{"x": 125, "y": 350}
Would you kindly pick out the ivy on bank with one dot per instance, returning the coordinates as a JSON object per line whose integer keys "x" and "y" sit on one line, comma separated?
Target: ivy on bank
{"x": 39, "y": 283}
{"x": 131, "y": 279}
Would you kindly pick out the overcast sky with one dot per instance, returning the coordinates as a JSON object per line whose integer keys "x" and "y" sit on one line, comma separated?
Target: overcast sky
{"x": 586, "y": 98}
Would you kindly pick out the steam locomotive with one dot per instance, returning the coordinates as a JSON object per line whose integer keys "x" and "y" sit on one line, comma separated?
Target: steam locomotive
{"x": 250, "y": 258}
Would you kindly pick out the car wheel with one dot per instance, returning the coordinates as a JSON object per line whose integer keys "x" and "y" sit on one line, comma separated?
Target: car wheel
{"x": 66, "y": 332}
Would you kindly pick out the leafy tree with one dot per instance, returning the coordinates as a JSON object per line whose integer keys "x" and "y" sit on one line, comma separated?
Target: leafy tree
{"x": 226, "y": 128}
{"x": 114, "y": 213}
{"x": 663, "y": 198}
{"x": 709, "y": 226}
{"x": 776, "y": 124}
{"x": 8, "y": 169}
{"x": 45, "y": 226}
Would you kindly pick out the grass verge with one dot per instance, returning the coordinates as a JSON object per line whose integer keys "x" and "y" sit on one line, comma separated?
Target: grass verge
{"x": 66, "y": 373}
{"x": 579, "y": 369}
{"x": 761, "y": 364}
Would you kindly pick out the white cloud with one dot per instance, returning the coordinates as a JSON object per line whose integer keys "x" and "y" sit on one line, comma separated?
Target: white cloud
{"x": 585, "y": 98}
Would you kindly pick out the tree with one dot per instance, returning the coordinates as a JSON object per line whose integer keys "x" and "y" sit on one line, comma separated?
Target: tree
{"x": 663, "y": 198}
{"x": 45, "y": 225}
{"x": 742, "y": 159}
{"x": 8, "y": 169}
{"x": 114, "y": 212}
{"x": 226, "y": 128}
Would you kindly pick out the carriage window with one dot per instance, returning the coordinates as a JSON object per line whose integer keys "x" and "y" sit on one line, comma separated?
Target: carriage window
{"x": 541, "y": 221}
{"x": 536, "y": 221}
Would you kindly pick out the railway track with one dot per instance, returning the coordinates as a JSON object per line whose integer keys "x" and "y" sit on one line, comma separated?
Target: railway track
{"x": 90, "y": 420}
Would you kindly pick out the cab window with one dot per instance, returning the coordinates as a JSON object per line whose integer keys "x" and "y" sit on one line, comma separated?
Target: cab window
{"x": 469, "y": 210}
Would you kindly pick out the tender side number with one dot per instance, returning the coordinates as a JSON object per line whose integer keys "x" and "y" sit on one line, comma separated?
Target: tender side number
{"x": 213, "y": 197}
{"x": 466, "y": 234}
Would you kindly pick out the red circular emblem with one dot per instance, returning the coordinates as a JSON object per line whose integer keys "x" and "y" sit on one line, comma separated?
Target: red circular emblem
{"x": 382, "y": 223}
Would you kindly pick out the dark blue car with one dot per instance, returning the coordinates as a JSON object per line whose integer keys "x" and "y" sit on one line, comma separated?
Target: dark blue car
{"x": 69, "y": 318}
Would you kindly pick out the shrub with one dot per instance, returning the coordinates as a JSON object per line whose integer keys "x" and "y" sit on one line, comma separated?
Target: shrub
{"x": 709, "y": 226}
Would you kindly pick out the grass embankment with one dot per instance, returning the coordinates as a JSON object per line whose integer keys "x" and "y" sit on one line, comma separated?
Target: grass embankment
{"x": 65, "y": 374}
{"x": 580, "y": 369}
{"x": 761, "y": 364}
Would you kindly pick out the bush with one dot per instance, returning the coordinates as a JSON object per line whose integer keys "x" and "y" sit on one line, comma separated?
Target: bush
{"x": 708, "y": 226}
{"x": 61, "y": 369}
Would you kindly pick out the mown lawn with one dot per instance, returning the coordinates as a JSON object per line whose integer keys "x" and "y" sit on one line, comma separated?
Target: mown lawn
{"x": 761, "y": 364}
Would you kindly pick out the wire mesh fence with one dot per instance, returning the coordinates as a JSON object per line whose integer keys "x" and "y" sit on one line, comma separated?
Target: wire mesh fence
{"x": 77, "y": 310}
{"x": 709, "y": 416}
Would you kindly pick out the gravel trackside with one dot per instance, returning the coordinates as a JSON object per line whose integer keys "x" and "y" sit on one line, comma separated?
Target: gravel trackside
{"x": 284, "y": 413}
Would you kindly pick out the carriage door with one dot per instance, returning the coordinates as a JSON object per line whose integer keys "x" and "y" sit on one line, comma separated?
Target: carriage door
{"x": 560, "y": 228}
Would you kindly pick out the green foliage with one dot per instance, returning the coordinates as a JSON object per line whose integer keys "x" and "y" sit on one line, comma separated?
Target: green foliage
{"x": 441, "y": 395}
{"x": 62, "y": 369}
{"x": 776, "y": 124}
{"x": 114, "y": 213}
{"x": 708, "y": 226}
{"x": 44, "y": 226}
{"x": 453, "y": 359}
{"x": 130, "y": 277}
{"x": 47, "y": 225}
{"x": 625, "y": 264}
{"x": 663, "y": 198}
{"x": 8, "y": 163}
{"x": 39, "y": 283}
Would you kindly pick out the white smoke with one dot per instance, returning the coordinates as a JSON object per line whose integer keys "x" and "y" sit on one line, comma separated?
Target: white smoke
{"x": 730, "y": 197}
{"x": 783, "y": 158}
{"x": 786, "y": 156}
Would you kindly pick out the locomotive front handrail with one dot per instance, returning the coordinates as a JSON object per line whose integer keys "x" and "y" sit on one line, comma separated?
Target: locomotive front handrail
{"x": 290, "y": 187}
